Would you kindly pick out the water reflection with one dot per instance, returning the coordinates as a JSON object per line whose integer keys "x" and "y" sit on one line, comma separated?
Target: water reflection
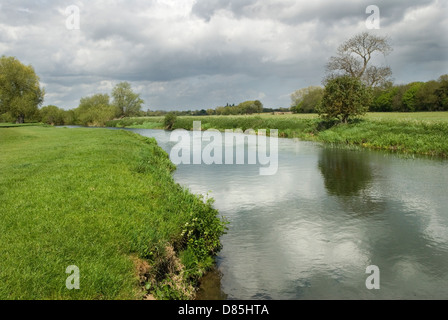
{"x": 210, "y": 288}
{"x": 345, "y": 173}
{"x": 310, "y": 231}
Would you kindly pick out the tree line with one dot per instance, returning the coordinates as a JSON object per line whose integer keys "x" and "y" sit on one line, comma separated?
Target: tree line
{"x": 246, "y": 107}
{"x": 94, "y": 110}
{"x": 415, "y": 96}
{"x": 412, "y": 97}
{"x": 21, "y": 96}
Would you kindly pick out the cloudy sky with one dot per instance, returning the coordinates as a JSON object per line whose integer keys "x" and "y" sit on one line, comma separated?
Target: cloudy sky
{"x": 194, "y": 54}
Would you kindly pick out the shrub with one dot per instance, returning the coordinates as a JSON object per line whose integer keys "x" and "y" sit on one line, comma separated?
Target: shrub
{"x": 169, "y": 121}
{"x": 344, "y": 97}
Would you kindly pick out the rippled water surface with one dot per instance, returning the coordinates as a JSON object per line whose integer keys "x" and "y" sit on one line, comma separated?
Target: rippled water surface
{"x": 310, "y": 231}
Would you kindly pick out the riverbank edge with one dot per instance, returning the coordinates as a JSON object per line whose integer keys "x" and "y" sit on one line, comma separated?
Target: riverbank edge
{"x": 145, "y": 268}
{"x": 186, "y": 286}
{"x": 409, "y": 137}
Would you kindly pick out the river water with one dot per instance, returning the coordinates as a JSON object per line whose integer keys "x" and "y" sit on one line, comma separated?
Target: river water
{"x": 311, "y": 230}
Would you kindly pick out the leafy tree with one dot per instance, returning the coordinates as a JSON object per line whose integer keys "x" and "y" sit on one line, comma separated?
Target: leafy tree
{"x": 344, "y": 97}
{"x": 409, "y": 100}
{"x": 7, "y": 117}
{"x": 416, "y": 96}
{"x": 20, "y": 91}
{"x": 442, "y": 92}
{"x": 52, "y": 115}
{"x": 70, "y": 117}
{"x": 353, "y": 58}
{"x": 306, "y": 100}
{"x": 397, "y": 101}
{"x": 126, "y": 101}
{"x": 95, "y": 110}
{"x": 258, "y": 106}
{"x": 427, "y": 98}
{"x": 220, "y": 110}
{"x": 383, "y": 98}
{"x": 169, "y": 121}
{"x": 248, "y": 107}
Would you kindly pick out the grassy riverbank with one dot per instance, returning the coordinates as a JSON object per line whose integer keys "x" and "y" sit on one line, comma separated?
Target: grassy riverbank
{"x": 423, "y": 133}
{"x": 102, "y": 200}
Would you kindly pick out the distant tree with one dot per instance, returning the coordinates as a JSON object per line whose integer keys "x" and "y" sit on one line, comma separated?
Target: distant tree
{"x": 228, "y": 110}
{"x": 210, "y": 112}
{"x": 127, "y": 102}
{"x": 442, "y": 92}
{"x": 52, "y": 115}
{"x": 409, "y": 99}
{"x": 219, "y": 110}
{"x": 353, "y": 58}
{"x": 248, "y": 107}
{"x": 383, "y": 99}
{"x": 95, "y": 110}
{"x": 344, "y": 97}
{"x": 258, "y": 106}
{"x": 70, "y": 117}
{"x": 426, "y": 97}
{"x": 306, "y": 100}
{"x": 20, "y": 91}
{"x": 169, "y": 121}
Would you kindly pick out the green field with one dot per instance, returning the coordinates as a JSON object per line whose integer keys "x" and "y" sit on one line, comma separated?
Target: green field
{"x": 422, "y": 133}
{"x": 409, "y": 116}
{"x": 105, "y": 201}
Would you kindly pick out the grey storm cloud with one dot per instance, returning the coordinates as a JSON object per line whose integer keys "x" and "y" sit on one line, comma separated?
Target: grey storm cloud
{"x": 297, "y": 12}
{"x": 191, "y": 54}
{"x": 206, "y": 9}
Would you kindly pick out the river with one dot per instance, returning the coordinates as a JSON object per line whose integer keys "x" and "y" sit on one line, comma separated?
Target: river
{"x": 311, "y": 230}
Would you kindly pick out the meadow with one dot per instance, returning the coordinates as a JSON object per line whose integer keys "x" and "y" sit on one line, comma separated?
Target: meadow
{"x": 423, "y": 133}
{"x": 104, "y": 201}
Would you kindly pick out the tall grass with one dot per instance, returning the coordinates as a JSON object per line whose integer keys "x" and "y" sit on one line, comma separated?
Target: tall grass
{"x": 413, "y": 137}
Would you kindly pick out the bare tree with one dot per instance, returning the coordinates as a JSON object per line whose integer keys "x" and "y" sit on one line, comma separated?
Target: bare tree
{"x": 354, "y": 55}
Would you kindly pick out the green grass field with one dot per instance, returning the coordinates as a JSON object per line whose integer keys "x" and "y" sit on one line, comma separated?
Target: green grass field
{"x": 424, "y": 133}
{"x": 105, "y": 201}
{"x": 408, "y": 116}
